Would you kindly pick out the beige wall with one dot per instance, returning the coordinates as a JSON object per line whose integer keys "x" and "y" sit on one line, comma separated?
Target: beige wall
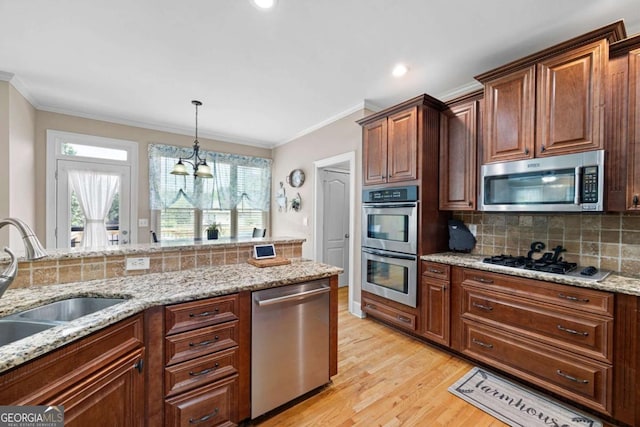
{"x": 339, "y": 137}
{"x": 17, "y": 165}
{"x": 61, "y": 122}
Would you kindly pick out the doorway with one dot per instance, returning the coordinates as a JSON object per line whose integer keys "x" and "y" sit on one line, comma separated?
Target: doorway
{"x": 335, "y": 218}
{"x": 346, "y": 165}
{"x": 91, "y": 190}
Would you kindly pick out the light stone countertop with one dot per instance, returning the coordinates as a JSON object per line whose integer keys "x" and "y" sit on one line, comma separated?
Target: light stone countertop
{"x": 142, "y": 292}
{"x": 612, "y": 283}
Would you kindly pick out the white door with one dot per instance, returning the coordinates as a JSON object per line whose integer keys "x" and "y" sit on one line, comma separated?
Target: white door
{"x": 335, "y": 185}
{"x": 69, "y": 217}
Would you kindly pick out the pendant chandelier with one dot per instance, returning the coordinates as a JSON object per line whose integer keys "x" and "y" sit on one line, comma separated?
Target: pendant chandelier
{"x": 200, "y": 167}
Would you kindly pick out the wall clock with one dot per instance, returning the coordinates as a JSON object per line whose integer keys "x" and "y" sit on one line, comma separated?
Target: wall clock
{"x": 296, "y": 178}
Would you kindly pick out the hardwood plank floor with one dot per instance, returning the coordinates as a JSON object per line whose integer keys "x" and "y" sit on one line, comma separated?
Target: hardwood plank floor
{"x": 384, "y": 379}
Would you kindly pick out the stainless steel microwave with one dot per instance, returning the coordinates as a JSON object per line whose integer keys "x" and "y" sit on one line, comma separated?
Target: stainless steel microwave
{"x": 567, "y": 183}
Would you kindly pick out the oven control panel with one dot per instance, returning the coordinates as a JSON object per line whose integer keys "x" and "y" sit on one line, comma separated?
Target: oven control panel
{"x": 396, "y": 194}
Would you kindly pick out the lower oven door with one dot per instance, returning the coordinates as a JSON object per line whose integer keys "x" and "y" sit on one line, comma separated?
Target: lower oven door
{"x": 390, "y": 275}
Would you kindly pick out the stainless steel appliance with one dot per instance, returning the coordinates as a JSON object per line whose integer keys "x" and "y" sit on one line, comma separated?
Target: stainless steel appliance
{"x": 567, "y": 183}
{"x": 391, "y": 275}
{"x": 548, "y": 262}
{"x": 390, "y": 243}
{"x": 289, "y": 343}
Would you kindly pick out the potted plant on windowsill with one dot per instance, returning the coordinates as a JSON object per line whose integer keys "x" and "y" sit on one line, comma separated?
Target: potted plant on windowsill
{"x": 212, "y": 231}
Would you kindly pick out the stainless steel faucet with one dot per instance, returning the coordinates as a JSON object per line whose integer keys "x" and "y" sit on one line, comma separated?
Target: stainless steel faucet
{"x": 33, "y": 250}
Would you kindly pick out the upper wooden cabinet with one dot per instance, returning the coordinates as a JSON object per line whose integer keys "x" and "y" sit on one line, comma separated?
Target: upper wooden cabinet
{"x": 460, "y": 131}
{"x": 393, "y": 139}
{"x": 622, "y": 142}
{"x": 551, "y": 102}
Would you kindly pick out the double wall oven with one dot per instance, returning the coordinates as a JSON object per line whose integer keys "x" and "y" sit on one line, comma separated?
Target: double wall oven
{"x": 390, "y": 243}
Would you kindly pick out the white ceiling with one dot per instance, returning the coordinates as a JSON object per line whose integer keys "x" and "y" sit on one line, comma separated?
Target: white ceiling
{"x": 266, "y": 77}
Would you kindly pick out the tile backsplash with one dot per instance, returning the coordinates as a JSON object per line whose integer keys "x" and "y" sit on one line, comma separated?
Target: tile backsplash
{"x": 610, "y": 241}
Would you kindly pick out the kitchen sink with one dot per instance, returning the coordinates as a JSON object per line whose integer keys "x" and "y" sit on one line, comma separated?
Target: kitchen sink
{"x": 67, "y": 310}
{"x": 14, "y": 330}
{"x": 29, "y": 322}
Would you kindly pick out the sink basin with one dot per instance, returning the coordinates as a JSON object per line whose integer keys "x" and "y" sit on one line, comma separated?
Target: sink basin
{"x": 66, "y": 310}
{"x": 14, "y": 330}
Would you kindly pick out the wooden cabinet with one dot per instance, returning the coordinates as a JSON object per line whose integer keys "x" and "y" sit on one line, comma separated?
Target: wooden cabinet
{"x": 390, "y": 148}
{"x": 434, "y": 302}
{"x": 201, "y": 351}
{"x": 622, "y": 142}
{"x": 551, "y": 102}
{"x": 460, "y": 132}
{"x": 509, "y": 116}
{"x": 555, "y": 336}
{"x": 98, "y": 379}
{"x": 390, "y": 312}
{"x": 400, "y": 143}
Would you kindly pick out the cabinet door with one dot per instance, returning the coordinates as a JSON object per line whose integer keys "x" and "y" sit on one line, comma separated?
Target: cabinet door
{"x": 435, "y": 310}
{"x": 374, "y": 152}
{"x": 570, "y": 110}
{"x": 458, "y": 148}
{"x": 634, "y": 130}
{"x": 113, "y": 396}
{"x": 402, "y": 149}
{"x": 510, "y": 109}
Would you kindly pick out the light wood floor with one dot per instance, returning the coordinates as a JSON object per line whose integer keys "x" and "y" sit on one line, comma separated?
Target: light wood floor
{"x": 385, "y": 379}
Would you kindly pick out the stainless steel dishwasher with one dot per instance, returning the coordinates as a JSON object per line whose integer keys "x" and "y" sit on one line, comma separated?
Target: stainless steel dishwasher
{"x": 289, "y": 343}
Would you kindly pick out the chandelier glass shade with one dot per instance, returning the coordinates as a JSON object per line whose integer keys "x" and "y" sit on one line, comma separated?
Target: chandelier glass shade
{"x": 199, "y": 164}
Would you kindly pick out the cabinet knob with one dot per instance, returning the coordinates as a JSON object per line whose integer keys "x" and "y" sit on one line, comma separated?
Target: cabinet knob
{"x": 526, "y": 151}
{"x": 635, "y": 200}
{"x": 542, "y": 148}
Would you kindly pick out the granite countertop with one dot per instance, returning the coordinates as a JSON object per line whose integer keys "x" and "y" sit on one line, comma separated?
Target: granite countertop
{"x": 141, "y": 292}
{"x": 613, "y": 283}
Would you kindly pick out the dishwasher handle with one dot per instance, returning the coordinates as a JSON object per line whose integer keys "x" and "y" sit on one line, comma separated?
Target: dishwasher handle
{"x": 294, "y": 297}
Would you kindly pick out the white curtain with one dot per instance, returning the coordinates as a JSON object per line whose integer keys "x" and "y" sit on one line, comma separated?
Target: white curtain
{"x": 95, "y": 192}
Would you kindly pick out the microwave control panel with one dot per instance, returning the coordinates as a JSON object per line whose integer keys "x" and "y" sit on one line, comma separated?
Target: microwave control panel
{"x": 590, "y": 184}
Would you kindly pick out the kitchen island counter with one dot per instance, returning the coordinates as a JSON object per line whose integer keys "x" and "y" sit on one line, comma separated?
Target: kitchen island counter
{"x": 615, "y": 282}
{"x": 141, "y": 292}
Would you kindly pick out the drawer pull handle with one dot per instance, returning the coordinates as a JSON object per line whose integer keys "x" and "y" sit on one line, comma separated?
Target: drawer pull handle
{"x": 203, "y": 343}
{"x": 481, "y": 344}
{"x": 205, "y": 418}
{"x": 570, "y": 378}
{"x": 204, "y": 371}
{"x": 482, "y": 280}
{"x": 434, "y": 270}
{"x": 570, "y": 298}
{"x": 371, "y": 306}
{"x": 403, "y": 319}
{"x": 573, "y": 331}
{"x": 482, "y": 307}
{"x": 205, "y": 313}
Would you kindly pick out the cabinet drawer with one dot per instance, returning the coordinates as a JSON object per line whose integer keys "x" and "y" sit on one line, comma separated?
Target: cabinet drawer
{"x": 575, "y": 331}
{"x": 192, "y": 344}
{"x": 577, "y": 378}
{"x": 196, "y": 314}
{"x": 389, "y": 314}
{"x": 197, "y": 372}
{"x": 436, "y": 270}
{"x": 589, "y": 300}
{"x": 208, "y": 406}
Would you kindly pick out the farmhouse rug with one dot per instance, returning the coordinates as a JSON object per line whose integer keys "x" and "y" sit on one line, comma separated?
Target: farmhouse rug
{"x": 516, "y": 405}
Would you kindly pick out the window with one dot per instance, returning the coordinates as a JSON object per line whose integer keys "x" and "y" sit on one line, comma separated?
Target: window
{"x": 237, "y": 198}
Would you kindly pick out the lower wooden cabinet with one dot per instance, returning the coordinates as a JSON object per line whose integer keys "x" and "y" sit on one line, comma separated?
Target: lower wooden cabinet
{"x": 99, "y": 379}
{"x": 211, "y": 405}
{"x": 435, "y": 302}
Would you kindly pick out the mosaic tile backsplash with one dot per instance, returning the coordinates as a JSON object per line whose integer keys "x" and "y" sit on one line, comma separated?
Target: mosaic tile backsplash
{"x": 610, "y": 241}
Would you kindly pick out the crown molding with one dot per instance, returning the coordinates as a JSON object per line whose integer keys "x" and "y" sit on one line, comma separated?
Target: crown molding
{"x": 158, "y": 127}
{"x": 359, "y": 106}
{"x": 460, "y": 90}
{"x": 5, "y": 76}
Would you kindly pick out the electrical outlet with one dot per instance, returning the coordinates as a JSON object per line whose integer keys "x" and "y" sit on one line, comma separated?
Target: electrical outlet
{"x": 473, "y": 228}
{"x": 140, "y": 263}
{"x": 143, "y": 222}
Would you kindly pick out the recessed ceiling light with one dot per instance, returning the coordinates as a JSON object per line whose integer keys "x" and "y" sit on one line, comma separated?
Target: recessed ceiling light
{"x": 264, "y": 4}
{"x": 399, "y": 70}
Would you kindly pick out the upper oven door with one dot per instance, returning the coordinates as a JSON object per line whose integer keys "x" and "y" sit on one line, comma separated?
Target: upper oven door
{"x": 391, "y": 226}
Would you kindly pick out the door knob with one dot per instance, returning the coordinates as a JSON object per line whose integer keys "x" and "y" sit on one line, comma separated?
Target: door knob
{"x": 346, "y": 236}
